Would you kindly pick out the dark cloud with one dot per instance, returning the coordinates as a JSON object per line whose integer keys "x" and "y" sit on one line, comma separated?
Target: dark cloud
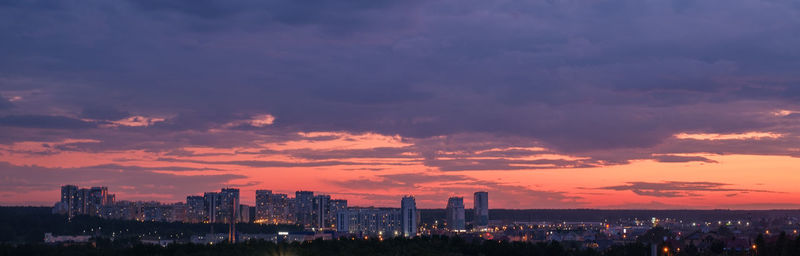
{"x": 257, "y": 163}
{"x": 761, "y": 206}
{"x": 615, "y": 86}
{"x": 104, "y": 113}
{"x": 677, "y": 188}
{"x": 45, "y": 122}
{"x": 507, "y": 164}
{"x": 681, "y": 159}
{"x": 5, "y": 103}
{"x": 131, "y": 180}
{"x": 381, "y": 152}
{"x": 142, "y": 168}
{"x": 433, "y": 189}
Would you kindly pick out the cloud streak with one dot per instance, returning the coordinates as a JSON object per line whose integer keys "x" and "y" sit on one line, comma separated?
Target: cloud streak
{"x": 677, "y": 188}
{"x": 370, "y": 88}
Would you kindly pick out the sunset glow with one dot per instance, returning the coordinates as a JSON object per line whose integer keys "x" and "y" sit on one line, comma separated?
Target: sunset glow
{"x": 544, "y": 104}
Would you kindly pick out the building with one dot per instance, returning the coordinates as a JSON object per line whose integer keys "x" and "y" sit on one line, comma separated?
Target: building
{"x": 49, "y": 238}
{"x": 123, "y": 210}
{"x": 68, "y": 200}
{"x": 154, "y": 212}
{"x": 195, "y": 209}
{"x": 83, "y": 201}
{"x": 321, "y": 211}
{"x": 481, "y": 207}
{"x": 179, "y": 211}
{"x": 244, "y": 214}
{"x": 228, "y": 210}
{"x": 111, "y": 199}
{"x": 263, "y": 206}
{"x": 335, "y": 207}
{"x": 408, "y": 223}
{"x": 343, "y": 221}
{"x": 98, "y": 197}
{"x": 455, "y": 214}
{"x": 373, "y": 221}
{"x": 304, "y": 208}
{"x": 211, "y": 206}
{"x": 273, "y": 208}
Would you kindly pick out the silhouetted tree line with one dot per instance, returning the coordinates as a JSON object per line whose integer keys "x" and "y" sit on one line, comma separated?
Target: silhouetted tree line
{"x": 28, "y": 225}
{"x": 22, "y": 229}
{"x": 434, "y": 246}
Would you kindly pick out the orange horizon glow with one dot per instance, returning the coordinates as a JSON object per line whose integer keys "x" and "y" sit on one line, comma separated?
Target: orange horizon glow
{"x": 674, "y": 185}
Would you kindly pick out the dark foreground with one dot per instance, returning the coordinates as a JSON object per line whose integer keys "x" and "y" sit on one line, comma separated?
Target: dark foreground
{"x": 22, "y": 229}
{"x": 438, "y": 246}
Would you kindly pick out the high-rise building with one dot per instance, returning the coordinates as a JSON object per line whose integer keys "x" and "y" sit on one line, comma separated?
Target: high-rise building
{"x": 280, "y": 210}
{"x": 111, "y": 199}
{"x": 195, "y": 209}
{"x": 68, "y": 199}
{"x": 304, "y": 207}
{"x": 373, "y": 221}
{"x": 95, "y": 201}
{"x": 263, "y": 206}
{"x": 408, "y": 223}
{"x": 321, "y": 211}
{"x": 244, "y": 213}
{"x": 335, "y": 207}
{"x": 481, "y": 207}
{"x": 455, "y": 214}
{"x": 123, "y": 210}
{"x": 68, "y": 193}
{"x": 228, "y": 205}
{"x": 212, "y": 206}
{"x": 82, "y": 201}
{"x": 179, "y": 211}
{"x": 273, "y": 208}
{"x": 98, "y": 197}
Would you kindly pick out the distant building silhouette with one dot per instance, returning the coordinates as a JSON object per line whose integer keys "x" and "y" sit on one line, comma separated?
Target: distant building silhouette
{"x": 335, "y": 206}
{"x": 481, "y": 207}
{"x": 304, "y": 207}
{"x": 369, "y": 221}
{"x": 321, "y": 212}
{"x": 408, "y": 223}
{"x": 455, "y": 214}
{"x": 195, "y": 209}
{"x": 83, "y": 201}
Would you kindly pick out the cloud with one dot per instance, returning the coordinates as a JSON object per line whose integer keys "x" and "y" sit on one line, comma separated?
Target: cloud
{"x": 459, "y": 86}
{"x": 736, "y": 136}
{"x": 649, "y": 205}
{"x": 103, "y": 113}
{"x": 126, "y": 181}
{"x": 432, "y": 190}
{"x": 761, "y": 206}
{"x": 604, "y": 85}
{"x": 136, "y": 121}
{"x": 5, "y": 103}
{"x": 256, "y": 121}
{"x": 379, "y": 152}
{"x": 677, "y": 188}
{"x": 681, "y": 159}
{"x": 44, "y": 122}
{"x": 258, "y": 163}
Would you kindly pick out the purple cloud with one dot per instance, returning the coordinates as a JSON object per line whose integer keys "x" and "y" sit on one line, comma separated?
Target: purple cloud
{"x": 611, "y": 81}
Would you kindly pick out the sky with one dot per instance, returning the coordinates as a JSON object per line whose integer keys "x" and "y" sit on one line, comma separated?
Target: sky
{"x": 613, "y": 104}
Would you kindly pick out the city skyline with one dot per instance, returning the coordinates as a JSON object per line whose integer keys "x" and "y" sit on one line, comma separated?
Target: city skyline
{"x": 612, "y": 104}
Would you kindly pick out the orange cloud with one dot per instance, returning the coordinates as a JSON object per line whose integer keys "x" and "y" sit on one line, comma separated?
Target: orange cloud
{"x": 729, "y": 136}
